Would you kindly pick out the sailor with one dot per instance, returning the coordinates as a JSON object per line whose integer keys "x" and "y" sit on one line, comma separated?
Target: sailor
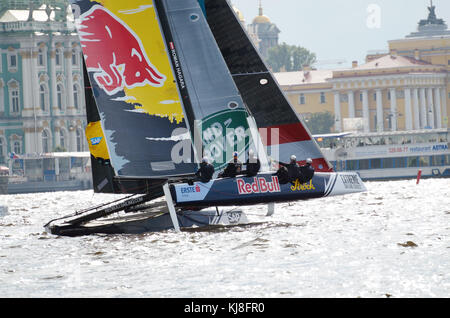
{"x": 289, "y": 172}
{"x": 306, "y": 171}
{"x": 253, "y": 165}
{"x": 233, "y": 168}
{"x": 205, "y": 172}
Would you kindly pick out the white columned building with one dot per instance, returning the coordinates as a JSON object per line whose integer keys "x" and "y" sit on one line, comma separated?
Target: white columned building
{"x": 394, "y": 111}
{"x": 423, "y": 109}
{"x": 35, "y": 82}
{"x": 408, "y": 110}
{"x": 380, "y": 117}
{"x": 365, "y": 110}
{"x": 54, "y": 97}
{"x": 31, "y": 74}
{"x": 437, "y": 99}
{"x": 351, "y": 104}
{"x": 444, "y": 107}
{"x": 337, "y": 112}
{"x": 69, "y": 79}
{"x": 430, "y": 107}
{"x": 72, "y": 136}
{"x": 416, "y": 108}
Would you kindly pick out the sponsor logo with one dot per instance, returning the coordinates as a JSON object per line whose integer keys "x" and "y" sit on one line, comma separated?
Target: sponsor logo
{"x": 176, "y": 64}
{"x": 350, "y": 181}
{"x": 96, "y": 140}
{"x": 115, "y": 53}
{"x": 234, "y": 217}
{"x": 191, "y": 189}
{"x": 302, "y": 187}
{"x": 259, "y": 185}
{"x": 223, "y": 133}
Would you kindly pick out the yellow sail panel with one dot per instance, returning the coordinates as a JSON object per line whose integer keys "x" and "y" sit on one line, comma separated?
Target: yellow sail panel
{"x": 142, "y": 68}
{"x": 96, "y": 141}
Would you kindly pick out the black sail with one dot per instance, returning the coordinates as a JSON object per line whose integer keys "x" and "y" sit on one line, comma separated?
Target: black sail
{"x": 282, "y": 128}
{"x": 210, "y": 96}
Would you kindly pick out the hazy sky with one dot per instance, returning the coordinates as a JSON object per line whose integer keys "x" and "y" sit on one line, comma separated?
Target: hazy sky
{"x": 343, "y": 29}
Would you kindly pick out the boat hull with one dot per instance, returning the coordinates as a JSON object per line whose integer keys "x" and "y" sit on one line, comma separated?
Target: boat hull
{"x": 145, "y": 223}
{"x": 264, "y": 188}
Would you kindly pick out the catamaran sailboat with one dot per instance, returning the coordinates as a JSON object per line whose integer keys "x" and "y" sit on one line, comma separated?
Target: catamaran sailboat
{"x": 168, "y": 81}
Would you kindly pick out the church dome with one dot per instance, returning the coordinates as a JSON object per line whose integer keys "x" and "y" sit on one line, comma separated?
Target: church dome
{"x": 261, "y": 18}
{"x": 239, "y": 14}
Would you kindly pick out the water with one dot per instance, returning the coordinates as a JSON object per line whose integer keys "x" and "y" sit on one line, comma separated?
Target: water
{"x": 392, "y": 241}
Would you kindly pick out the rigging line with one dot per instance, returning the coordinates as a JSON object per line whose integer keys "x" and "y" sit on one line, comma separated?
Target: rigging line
{"x": 103, "y": 204}
{"x": 77, "y": 213}
{"x": 253, "y": 73}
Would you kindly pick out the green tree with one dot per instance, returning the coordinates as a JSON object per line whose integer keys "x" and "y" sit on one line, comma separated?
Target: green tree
{"x": 289, "y": 58}
{"x": 59, "y": 149}
{"x": 320, "y": 123}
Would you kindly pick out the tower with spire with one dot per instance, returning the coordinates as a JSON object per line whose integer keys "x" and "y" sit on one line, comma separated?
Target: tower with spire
{"x": 264, "y": 32}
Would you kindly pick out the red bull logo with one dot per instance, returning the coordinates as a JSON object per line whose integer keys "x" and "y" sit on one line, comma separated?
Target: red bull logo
{"x": 259, "y": 185}
{"x": 115, "y": 53}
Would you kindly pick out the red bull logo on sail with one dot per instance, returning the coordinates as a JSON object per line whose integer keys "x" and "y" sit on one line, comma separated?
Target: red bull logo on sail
{"x": 115, "y": 53}
{"x": 259, "y": 185}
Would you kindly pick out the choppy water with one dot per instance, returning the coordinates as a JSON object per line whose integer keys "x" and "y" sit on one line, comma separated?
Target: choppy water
{"x": 392, "y": 241}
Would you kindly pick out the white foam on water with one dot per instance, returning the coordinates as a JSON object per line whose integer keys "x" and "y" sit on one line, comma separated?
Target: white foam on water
{"x": 392, "y": 240}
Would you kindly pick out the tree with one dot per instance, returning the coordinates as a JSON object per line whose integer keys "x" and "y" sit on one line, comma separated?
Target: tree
{"x": 320, "y": 123}
{"x": 289, "y": 58}
{"x": 59, "y": 149}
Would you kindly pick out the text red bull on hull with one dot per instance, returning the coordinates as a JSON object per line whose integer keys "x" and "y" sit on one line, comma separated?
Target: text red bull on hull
{"x": 259, "y": 185}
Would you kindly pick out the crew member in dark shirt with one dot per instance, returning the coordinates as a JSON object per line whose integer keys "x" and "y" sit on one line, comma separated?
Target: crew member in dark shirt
{"x": 289, "y": 172}
{"x": 253, "y": 165}
{"x": 306, "y": 171}
{"x": 205, "y": 172}
{"x": 233, "y": 168}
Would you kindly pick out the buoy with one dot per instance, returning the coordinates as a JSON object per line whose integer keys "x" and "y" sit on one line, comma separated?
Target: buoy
{"x": 419, "y": 174}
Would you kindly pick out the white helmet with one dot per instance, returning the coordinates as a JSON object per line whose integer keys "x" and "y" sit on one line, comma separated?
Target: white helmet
{"x": 309, "y": 160}
{"x": 205, "y": 159}
{"x": 293, "y": 157}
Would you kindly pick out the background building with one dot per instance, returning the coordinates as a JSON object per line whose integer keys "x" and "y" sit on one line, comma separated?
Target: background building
{"x": 262, "y": 31}
{"x": 41, "y": 79}
{"x": 406, "y": 88}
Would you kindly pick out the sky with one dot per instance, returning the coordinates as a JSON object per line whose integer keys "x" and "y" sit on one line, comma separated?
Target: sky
{"x": 343, "y": 30}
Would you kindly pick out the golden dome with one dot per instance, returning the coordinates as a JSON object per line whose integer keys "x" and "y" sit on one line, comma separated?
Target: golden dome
{"x": 239, "y": 14}
{"x": 261, "y": 18}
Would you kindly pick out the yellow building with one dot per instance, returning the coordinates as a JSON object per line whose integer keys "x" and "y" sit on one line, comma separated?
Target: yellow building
{"x": 405, "y": 89}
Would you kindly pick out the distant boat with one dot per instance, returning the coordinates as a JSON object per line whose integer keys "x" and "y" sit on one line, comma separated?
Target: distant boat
{"x": 389, "y": 155}
{"x": 169, "y": 82}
